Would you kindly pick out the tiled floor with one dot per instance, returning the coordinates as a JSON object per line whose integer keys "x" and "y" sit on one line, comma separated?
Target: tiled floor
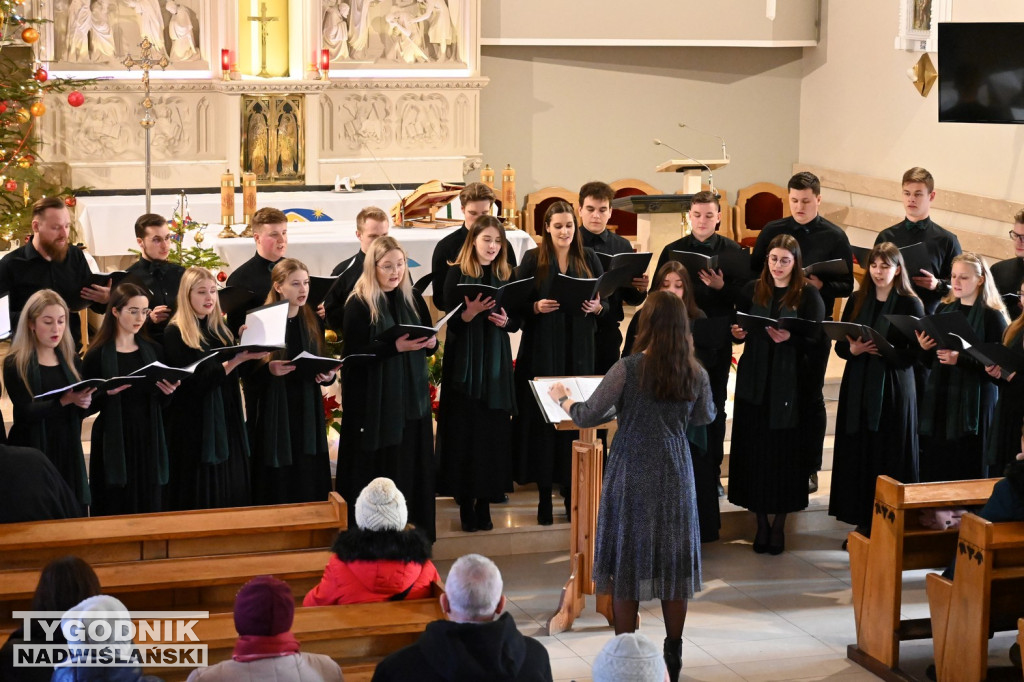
{"x": 759, "y": 617}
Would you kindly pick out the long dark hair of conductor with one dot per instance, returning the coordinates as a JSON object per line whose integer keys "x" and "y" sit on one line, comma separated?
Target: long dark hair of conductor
{"x": 669, "y": 370}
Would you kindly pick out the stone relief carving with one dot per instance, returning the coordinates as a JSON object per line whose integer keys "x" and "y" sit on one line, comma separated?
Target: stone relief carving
{"x": 91, "y": 33}
{"x": 396, "y": 32}
{"x": 172, "y": 134}
{"x": 102, "y": 129}
{"x": 422, "y": 120}
{"x": 367, "y": 120}
{"x": 109, "y": 127}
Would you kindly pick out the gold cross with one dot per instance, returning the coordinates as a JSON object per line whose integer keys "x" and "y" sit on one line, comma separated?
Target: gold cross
{"x": 146, "y": 62}
{"x": 263, "y": 19}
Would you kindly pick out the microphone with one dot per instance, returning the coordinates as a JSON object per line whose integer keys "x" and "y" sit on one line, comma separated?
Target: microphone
{"x": 725, "y": 154}
{"x": 380, "y": 167}
{"x": 711, "y": 175}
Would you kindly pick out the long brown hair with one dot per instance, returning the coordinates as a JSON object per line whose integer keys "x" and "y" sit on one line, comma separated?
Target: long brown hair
{"x": 23, "y": 345}
{"x": 278, "y": 276}
{"x": 766, "y": 285}
{"x": 886, "y": 252}
{"x": 546, "y": 251}
{"x": 119, "y": 298}
{"x": 669, "y": 370}
{"x": 689, "y": 300}
{"x": 467, "y": 261}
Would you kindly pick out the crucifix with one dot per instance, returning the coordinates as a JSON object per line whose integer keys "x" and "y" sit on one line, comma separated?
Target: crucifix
{"x": 263, "y": 20}
{"x": 146, "y": 62}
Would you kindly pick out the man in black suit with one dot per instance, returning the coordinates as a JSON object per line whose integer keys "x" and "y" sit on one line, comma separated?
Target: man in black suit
{"x": 1009, "y": 274}
{"x": 371, "y": 223}
{"x": 154, "y": 272}
{"x": 270, "y": 231}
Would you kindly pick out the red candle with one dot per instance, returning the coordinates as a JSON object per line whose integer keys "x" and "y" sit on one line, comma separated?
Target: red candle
{"x": 225, "y": 60}
{"x": 325, "y": 60}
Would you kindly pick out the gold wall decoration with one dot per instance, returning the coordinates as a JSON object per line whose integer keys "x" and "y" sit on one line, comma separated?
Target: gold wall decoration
{"x": 923, "y": 75}
{"x": 273, "y": 138}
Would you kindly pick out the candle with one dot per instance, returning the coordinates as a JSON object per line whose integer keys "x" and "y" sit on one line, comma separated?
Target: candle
{"x": 325, "y": 63}
{"x": 227, "y": 199}
{"x": 225, "y": 63}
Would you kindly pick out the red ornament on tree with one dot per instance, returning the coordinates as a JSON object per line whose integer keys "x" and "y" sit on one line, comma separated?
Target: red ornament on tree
{"x": 222, "y": 276}
{"x": 11, "y": 185}
{"x": 70, "y": 202}
{"x": 41, "y": 75}
{"x": 30, "y": 35}
{"x": 75, "y": 98}
{"x": 3, "y": 107}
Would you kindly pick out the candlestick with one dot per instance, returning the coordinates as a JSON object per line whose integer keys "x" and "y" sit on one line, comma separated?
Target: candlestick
{"x": 225, "y": 64}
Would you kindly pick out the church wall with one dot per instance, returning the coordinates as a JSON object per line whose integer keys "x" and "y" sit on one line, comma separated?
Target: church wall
{"x": 566, "y": 115}
{"x": 860, "y": 113}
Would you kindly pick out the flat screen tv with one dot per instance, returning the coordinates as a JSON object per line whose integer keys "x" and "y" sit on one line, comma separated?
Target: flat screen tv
{"x": 981, "y": 72}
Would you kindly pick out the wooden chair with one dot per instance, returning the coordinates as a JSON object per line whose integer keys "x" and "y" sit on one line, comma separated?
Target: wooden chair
{"x": 356, "y": 636}
{"x": 756, "y": 206}
{"x": 897, "y": 544}
{"x": 986, "y": 595}
{"x": 536, "y": 203}
{"x": 623, "y": 223}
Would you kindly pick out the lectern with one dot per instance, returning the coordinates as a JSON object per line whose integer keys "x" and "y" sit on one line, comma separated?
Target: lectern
{"x": 659, "y": 220}
{"x": 691, "y": 170}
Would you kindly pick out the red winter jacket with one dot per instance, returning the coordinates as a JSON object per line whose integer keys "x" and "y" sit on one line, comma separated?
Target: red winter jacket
{"x": 372, "y": 566}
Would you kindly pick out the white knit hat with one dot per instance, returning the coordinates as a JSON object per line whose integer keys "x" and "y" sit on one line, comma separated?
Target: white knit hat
{"x": 381, "y": 506}
{"x": 629, "y": 657}
{"x": 80, "y": 625}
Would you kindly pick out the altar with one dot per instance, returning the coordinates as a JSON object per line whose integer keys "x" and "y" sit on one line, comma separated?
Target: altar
{"x": 106, "y": 224}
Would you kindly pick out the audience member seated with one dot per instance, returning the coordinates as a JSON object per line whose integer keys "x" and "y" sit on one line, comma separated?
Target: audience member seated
{"x": 382, "y": 559}
{"x": 629, "y": 657}
{"x": 32, "y": 489}
{"x": 266, "y": 649}
{"x": 78, "y": 626}
{"x": 63, "y": 583}
{"x": 477, "y": 642}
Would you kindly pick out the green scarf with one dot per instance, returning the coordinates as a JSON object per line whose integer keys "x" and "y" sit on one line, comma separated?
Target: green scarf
{"x": 115, "y": 471}
{"x": 481, "y": 362}
{"x": 275, "y": 425}
{"x": 963, "y": 389}
{"x": 37, "y": 432}
{"x": 396, "y": 387}
{"x": 868, "y": 376}
{"x": 560, "y": 330}
{"x": 758, "y": 361}
{"x": 215, "y": 446}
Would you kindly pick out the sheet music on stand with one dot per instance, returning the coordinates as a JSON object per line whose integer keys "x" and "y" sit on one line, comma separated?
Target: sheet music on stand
{"x": 580, "y": 389}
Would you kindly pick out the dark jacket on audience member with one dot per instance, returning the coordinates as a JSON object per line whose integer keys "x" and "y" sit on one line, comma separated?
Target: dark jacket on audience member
{"x": 32, "y": 489}
{"x": 468, "y": 652}
{"x": 372, "y": 566}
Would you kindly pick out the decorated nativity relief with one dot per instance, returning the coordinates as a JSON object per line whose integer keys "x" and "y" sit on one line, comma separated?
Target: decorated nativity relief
{"x": 101, "y": 33}
{"x": 395, "y": 32}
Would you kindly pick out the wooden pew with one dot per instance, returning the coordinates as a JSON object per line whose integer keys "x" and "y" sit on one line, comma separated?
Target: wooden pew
{"x": 986, "y": 595}
{"x": 356, "y": 636}
{"x": 206, "y": 532}
{"x": 899, "y": 544}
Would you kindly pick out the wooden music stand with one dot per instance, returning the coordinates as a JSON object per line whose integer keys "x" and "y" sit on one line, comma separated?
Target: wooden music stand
{"x": 691, "y": 170}
{"x": 420, "y": 208}
{"x": 587, "y": 473}
{"x": 659, "y": 220}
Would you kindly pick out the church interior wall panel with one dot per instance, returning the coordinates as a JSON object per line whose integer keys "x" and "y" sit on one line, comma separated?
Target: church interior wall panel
{"x": 566, "y": 115}
{"x": 860, "y": 113}
{"x": 653, "y": 21}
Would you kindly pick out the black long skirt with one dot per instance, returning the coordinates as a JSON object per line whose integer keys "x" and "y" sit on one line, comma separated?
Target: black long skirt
{"x": 767, "y": 469}
{"x": 474, "y": 448}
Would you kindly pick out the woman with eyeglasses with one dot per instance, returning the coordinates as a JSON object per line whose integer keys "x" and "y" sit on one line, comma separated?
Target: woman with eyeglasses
{"x": 1009, "y": 274}
{"x": 43, "y": 359}
{"x": 555, "y": 342}
{"x": 290, "y": 461}
{"x": 767, "y": 471}
{"x": 386, "y": 427}
{"x": 206, "y": 436}
{"x": 128, "y": 463}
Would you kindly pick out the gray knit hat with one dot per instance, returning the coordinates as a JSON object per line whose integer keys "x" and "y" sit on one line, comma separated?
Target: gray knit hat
{"x": 381, "y": 506}
{"x": 629, "y": 657}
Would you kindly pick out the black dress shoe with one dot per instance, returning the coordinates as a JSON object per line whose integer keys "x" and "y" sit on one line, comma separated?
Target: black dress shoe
{"x": 545, "y": 516}
{"x": 761, "y": 542}
{"x": 673, "y": 652}
{"x": 812, "y": 483}
{"x": 721, "y": 489}
{"x": 468, "y": 517}
{"x": 499, "y": 499}
{"x": 777, "y": 545}
{"x": 482, "y": 513}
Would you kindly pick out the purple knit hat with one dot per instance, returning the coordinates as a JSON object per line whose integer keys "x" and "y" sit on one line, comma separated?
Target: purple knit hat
{"x": 264, "y": 606}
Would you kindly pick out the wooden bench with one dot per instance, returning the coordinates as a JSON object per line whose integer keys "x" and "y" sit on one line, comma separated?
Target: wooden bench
{"x": 897, "y": 544}
{"x": 986, "y": 595}
{"x": 356, "y": 636}
{"x": 205, "y": 583}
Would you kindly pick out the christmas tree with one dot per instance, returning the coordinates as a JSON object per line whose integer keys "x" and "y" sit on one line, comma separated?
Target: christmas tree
{"x": 25, "y": 87}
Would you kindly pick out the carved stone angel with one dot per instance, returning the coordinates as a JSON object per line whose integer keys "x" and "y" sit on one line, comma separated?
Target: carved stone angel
{"x": 181, "y": 33}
